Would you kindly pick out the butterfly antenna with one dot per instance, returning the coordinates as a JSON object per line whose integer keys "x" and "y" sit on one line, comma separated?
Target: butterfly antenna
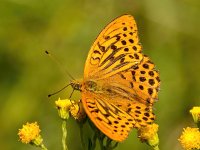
{"x": 58, "y": 90}
{"x": 59, "y": 64}
{"x": 71, "y": 94}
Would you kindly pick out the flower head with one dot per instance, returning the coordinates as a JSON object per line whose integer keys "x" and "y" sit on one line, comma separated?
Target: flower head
{"x": 63, "y": 107}
{"x": 148, "y": 131}
{"x": 67, "y": 106}
{"x": 29, "y": 132}
{"x": 195, "y": 111}
{"x": 190, "y": 138}
{"x": 77, "y": 111}
{"x": 63, "y": 104}
{"x": 149, "y": 134}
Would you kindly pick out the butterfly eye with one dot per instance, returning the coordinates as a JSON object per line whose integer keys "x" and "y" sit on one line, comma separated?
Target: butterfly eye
{"x": 76, "y": 86}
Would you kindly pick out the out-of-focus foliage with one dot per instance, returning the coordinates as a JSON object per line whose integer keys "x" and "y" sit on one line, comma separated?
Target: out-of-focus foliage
{"x": 168, "y": 30}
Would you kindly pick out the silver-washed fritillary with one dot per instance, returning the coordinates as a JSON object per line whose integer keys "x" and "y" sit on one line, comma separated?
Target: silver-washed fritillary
{"x": 120, "y": 83}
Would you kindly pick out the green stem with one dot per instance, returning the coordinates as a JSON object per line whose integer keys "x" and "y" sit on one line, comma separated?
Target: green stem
{"x": 101, "y": 145}
{"x": 64, "y": 137}
{"x": 156, "y": 148}
{"x": 82, "y": 137}
{"x": 43, "y": 147}
{"x": 198, "y": 124}
{"x": 94, "y": 142}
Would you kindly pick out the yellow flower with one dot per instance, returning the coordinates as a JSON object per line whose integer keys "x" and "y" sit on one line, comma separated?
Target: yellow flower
{"x": 67, "y": 106}
{"x": 77, "y": 111}
{"x": 149, "y": 134}
{"x": 190, "y": 138}
{"x": 63, "y": 104}
{"x": 74, "y": 110}
{"x": 195, "y": 111}
{"x": 63, "y": 107}
{"x": 148, "y": 131}
{"x": 29, "y": 132}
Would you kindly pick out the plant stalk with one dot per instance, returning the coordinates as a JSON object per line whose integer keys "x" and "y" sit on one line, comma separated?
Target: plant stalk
{"x": 64, "y": 137}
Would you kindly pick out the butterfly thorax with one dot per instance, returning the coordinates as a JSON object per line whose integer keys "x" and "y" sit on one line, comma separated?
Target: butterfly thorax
{"x": 88, "y": 85}
{"x": 99, "y": 87}
{"x": 91, "y": 86}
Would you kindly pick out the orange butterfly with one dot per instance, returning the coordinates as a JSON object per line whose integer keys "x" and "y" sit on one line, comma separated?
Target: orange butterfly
{"x": 120, "y": 83}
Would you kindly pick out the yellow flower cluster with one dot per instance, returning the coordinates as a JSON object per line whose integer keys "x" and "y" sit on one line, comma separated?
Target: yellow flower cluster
{"x": 190, "y": 138}
{"x": 67, "y": 106}
{"x": 148, "y": 131}
{"x": 63, "y": 107}
{"x": 77, "y": 111}
{"x": 195, "y": 111}
{"x": 29, "y": 132}
{"x": 149, "y": 134}
{"x": 63, "y": 104}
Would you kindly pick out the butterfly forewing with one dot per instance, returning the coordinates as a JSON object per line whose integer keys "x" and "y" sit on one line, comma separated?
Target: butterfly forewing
{"x": 116, "y": 49}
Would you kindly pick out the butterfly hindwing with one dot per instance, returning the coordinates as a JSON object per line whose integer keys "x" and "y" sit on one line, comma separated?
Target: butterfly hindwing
{"x": 139, "y": 84}
{"x": 112, "y": 121}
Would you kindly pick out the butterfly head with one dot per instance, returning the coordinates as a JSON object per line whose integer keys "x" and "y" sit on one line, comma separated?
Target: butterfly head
{"x": 76, "y": 84}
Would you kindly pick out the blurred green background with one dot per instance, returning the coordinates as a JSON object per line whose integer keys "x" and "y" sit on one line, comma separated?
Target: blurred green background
{"x": 168, "y": 30}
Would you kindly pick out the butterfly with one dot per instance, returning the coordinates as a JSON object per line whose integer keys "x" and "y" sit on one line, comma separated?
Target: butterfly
{"x": 120, "y": 83}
